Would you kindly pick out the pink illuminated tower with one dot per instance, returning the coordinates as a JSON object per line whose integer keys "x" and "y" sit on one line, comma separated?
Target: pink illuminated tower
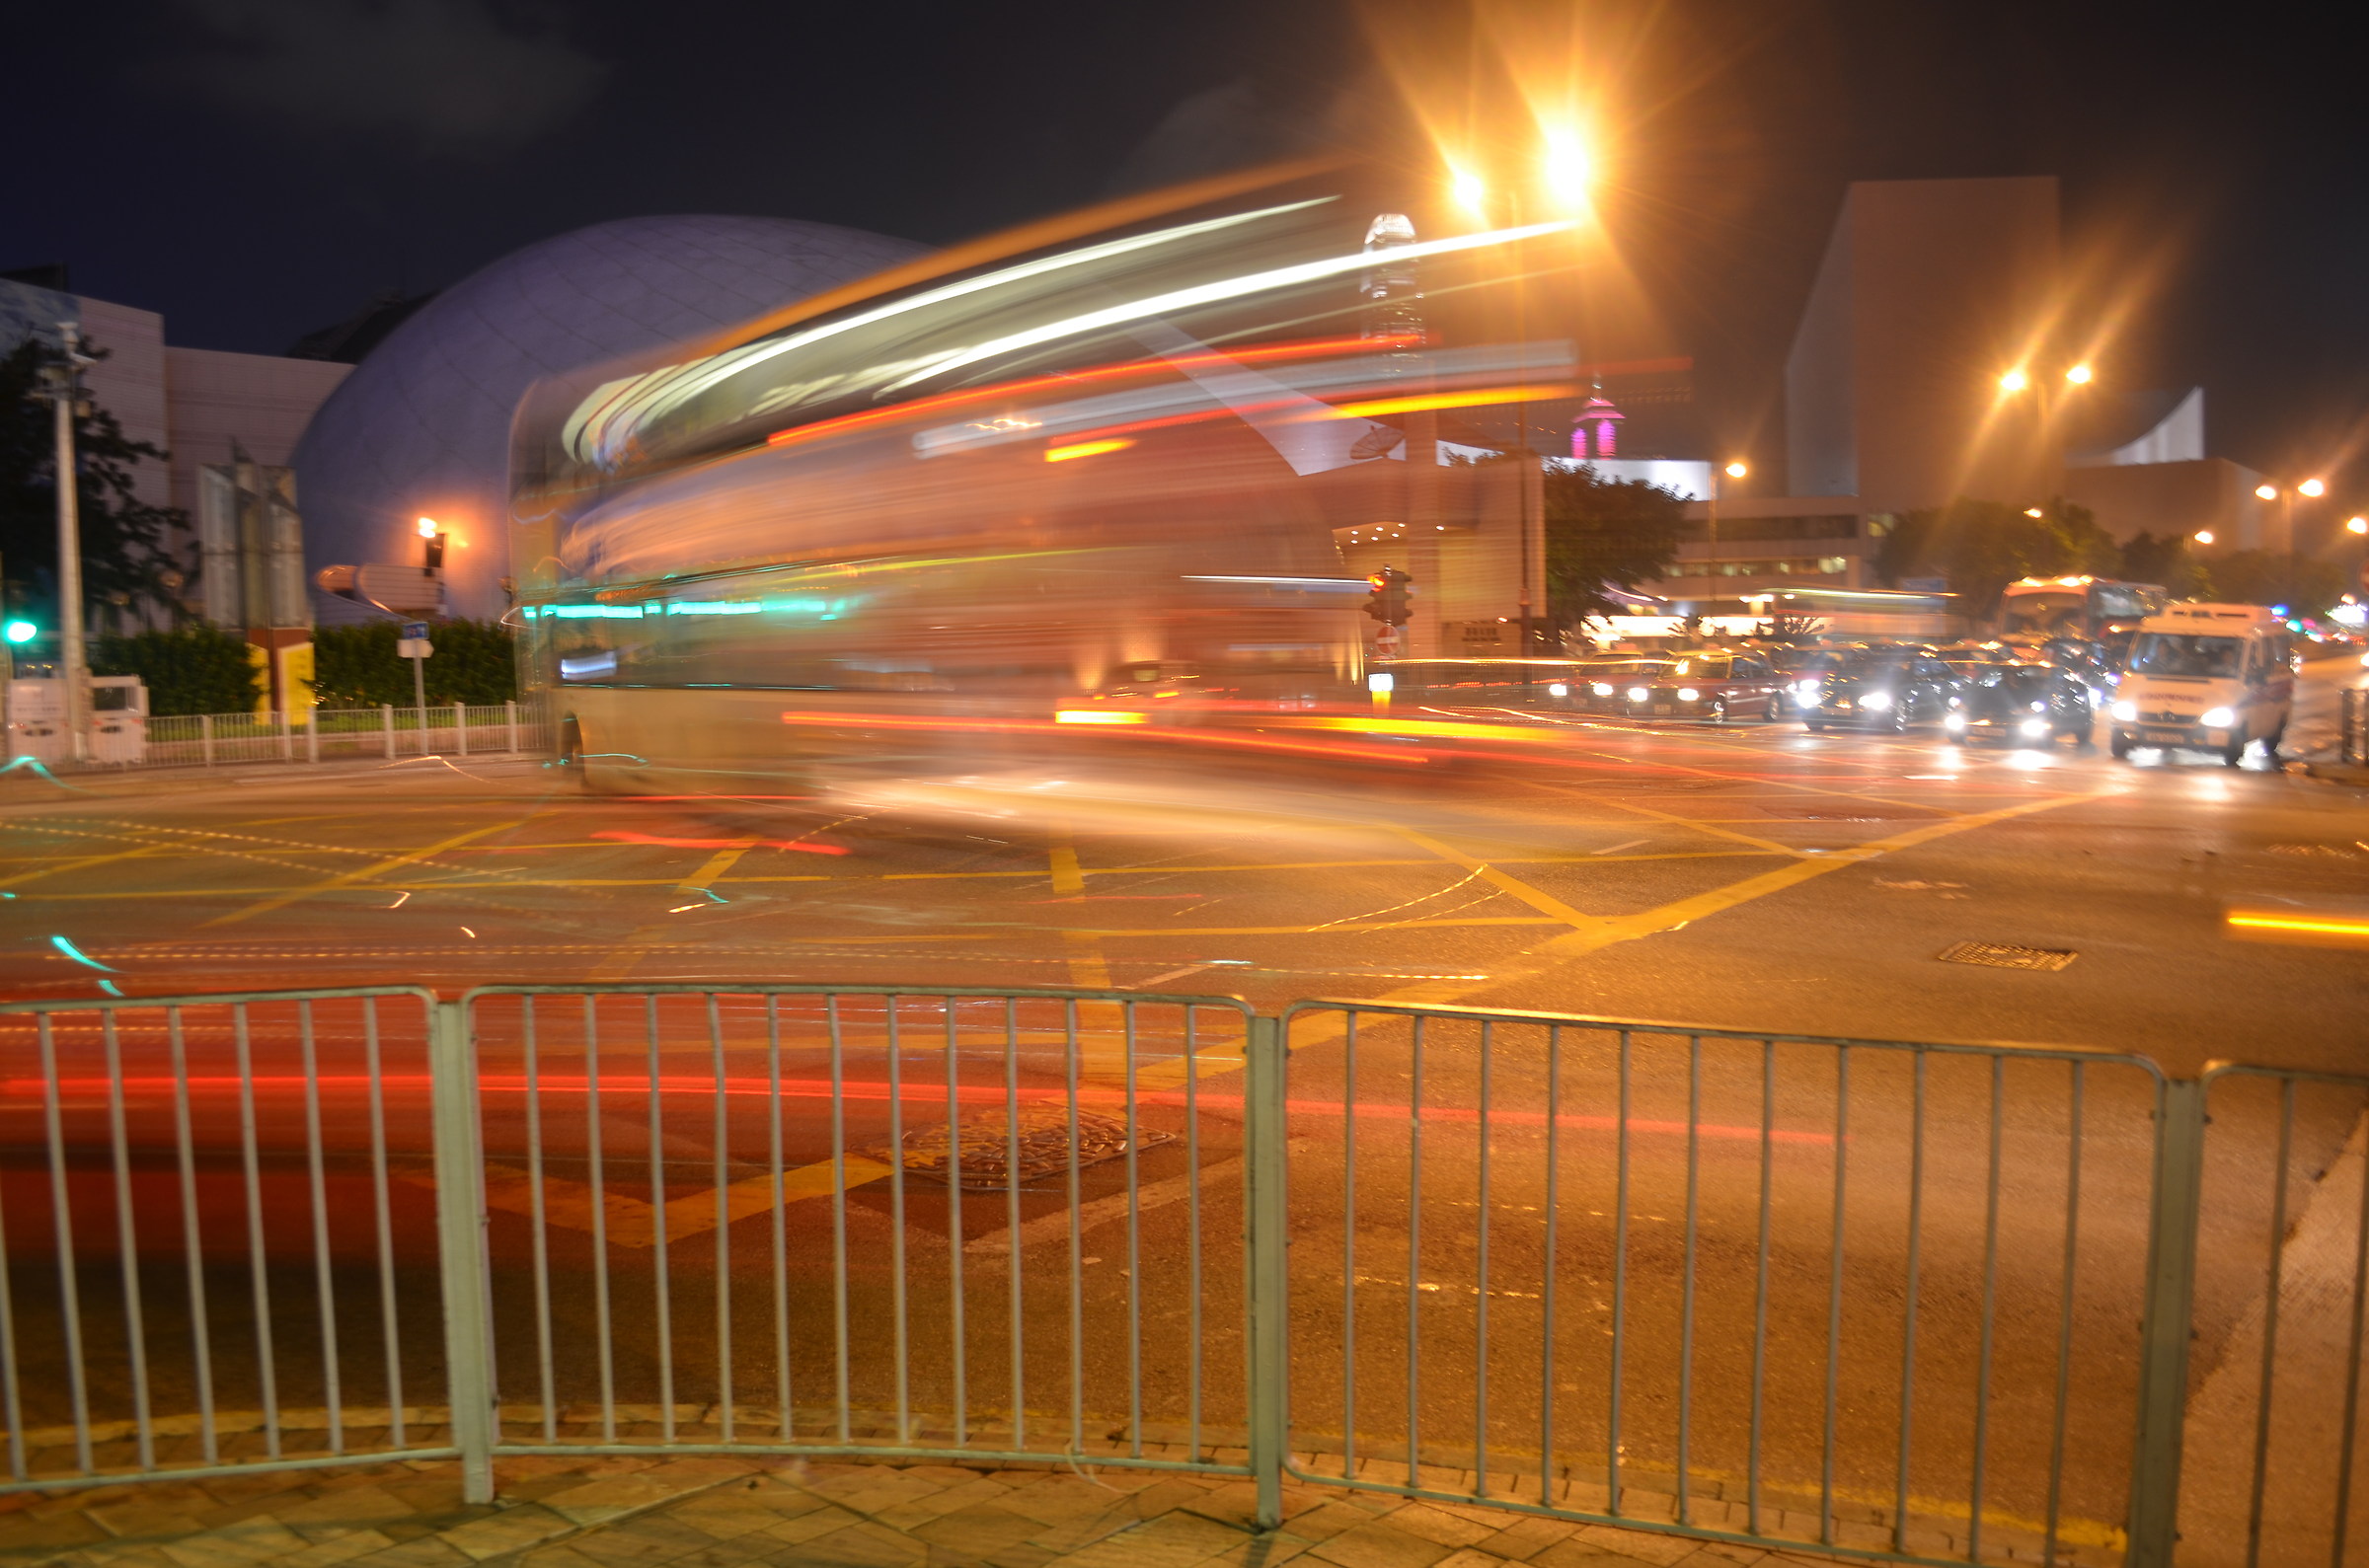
{"x": 1597, "y": 434}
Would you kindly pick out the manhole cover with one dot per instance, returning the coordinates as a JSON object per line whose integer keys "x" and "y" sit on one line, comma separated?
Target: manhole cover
{"x": 2005, "y": 955}
{"x": 986, "y": 1156}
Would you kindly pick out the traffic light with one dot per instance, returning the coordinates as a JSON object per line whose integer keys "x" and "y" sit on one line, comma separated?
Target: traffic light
{"x": 20, "y": 631}
{"x": 1388, "y": 603}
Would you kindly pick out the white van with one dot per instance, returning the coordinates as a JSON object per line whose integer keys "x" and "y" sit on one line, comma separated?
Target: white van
{"x": 2209, "y": 677}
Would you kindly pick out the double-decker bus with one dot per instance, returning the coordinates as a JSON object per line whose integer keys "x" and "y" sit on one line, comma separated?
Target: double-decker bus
{"x": 2093, "y": 609}
{"x": 963, "y": 514}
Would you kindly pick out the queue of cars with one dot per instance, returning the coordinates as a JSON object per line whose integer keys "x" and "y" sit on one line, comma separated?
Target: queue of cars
{"x": 2217, "y": 678}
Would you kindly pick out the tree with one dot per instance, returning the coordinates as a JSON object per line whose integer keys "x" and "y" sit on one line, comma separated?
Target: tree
{"x": 2164, "y": 562}
{"x": 1981, "y": 546}
{"x": 125, "y": 540}
{"x": 1603, "y": 533}
{"x": 357, "y": 666}
{"x": 192, "y": 669}
{"x": 2303, "y": 584}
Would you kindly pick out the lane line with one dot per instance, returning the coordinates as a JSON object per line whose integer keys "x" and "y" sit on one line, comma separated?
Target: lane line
{"x": 1545, "y": 903}
{"x": 349, "y": 878}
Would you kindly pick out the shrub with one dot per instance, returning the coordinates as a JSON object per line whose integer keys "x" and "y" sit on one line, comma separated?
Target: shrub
{"x": 192, "y": 669}
{"x": 357, "y": 666}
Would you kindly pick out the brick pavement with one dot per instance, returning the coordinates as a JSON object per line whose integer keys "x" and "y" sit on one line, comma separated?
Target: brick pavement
{"x": 721, "y": 1511}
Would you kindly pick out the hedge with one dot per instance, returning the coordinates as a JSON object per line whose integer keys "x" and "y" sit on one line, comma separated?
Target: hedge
{"x": 357, "y": 666}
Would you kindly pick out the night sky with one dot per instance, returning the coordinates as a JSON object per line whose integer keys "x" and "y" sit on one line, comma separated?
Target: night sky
{"x": 259, "y": 168}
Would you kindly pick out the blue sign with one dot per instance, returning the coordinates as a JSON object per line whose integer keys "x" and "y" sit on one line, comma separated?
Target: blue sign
{"x": 414, "y": 630}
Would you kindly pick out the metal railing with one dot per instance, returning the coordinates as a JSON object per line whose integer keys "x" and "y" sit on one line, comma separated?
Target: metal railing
{"x": 1921, "y": 1303}
{"x": 328, "y": 734}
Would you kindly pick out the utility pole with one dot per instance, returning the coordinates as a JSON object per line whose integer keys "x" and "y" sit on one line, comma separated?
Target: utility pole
{"x": 63, "y": 379}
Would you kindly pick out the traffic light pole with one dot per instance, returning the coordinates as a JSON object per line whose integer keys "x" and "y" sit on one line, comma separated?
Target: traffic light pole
{"x": 73, "y": 665}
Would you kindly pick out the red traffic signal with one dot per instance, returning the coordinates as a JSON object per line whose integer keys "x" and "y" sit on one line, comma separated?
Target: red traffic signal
{"x": 1388, "y": 603}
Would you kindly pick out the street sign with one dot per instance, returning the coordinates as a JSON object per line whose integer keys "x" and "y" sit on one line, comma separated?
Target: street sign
{"x": 415, "y": 632}
{"x": 414, "y": 647}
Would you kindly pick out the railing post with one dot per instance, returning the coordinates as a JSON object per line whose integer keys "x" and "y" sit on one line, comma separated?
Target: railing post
{"x": 461, "y": 1246}
{"x": 386, "y": 725}
{"x": 1266, "y": 1215}
{"x": 510, "y": 711}
{"x": 460, "y": 727}
{"x": 205, "y": 738}
{"x": 2164, "y": 1327}
{"x": 312, "y": 736}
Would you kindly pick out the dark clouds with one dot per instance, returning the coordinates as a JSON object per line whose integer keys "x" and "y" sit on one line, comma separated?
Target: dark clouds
{"x": 439, "y": 77}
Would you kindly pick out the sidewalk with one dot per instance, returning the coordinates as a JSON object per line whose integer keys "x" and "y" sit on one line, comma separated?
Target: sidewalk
{"x": 718, "y": 1511}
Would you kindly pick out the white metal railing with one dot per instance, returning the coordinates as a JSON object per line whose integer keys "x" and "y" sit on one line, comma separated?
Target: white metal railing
{"x": 1928, "y": 1303}
{"x": 209, "y": 740}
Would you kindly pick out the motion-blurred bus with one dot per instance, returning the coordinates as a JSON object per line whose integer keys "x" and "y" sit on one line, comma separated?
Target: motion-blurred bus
{"x": 2093, "y": 609}
{"x": 1082, "y": 497}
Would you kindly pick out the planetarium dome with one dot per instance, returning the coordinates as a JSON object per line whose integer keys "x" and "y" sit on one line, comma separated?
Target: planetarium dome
{"x": 421, "y": 428}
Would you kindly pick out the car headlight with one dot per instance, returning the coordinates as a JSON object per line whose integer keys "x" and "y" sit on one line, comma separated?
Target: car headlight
{"x": 1954, "y": 721}
{"x": 1600, "y": 689}
{"x": 1638, "y": 694}
{"x": 1877, "y": 700}
{"x": 2035, "y": 727}
{"x": 1559, "y": 691}
{"x": 2125, "y": 712}
{"x": 1687, "y": 694}
{"x": 2040, "y": 707}
{"x": 1807, "y": 691}
{"x": 2217, "y": 717}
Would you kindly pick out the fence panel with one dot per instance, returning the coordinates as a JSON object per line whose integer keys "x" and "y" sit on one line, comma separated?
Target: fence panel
{"x": 907, "y": 1220}
{"x": 2272, "y": 1472}
{"x": 218, "y": 1245}
{"x": 1866, "y": 1296}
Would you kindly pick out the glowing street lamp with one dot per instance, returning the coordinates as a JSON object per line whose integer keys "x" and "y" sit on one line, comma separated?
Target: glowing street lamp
{"x": 2269, "y": 492}
{"x": 2203, "y": 536}
{"x": 2356, "y": 525}
{"x": 2013, "y": 381}
{"x": 1735, "y": 468}
{"x": 2079, "y": 375}
{"x": 2315, "y": 489}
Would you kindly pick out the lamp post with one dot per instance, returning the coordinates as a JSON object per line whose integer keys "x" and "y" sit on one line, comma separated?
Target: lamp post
{"x": 2310, "y": 489}
{"x": 61, "y": 383}
{"x": 1734, "y": 469}
{"x": 1565, "y": 172}
{"x": 2048, "y": 404}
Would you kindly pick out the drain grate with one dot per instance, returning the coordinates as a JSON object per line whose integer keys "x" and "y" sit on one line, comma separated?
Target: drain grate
{"x": 2005, "y": 955}
{"x": 986, "y": 1163}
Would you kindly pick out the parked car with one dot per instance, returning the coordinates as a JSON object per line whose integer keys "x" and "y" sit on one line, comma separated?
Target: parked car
{"x": 2025, "y": 705}
{"x": 1714, "y": 687}
{"x": 1887, "y": 689}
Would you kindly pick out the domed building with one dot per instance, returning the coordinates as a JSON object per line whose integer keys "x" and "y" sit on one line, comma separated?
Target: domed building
{"x": 421, "y": 428}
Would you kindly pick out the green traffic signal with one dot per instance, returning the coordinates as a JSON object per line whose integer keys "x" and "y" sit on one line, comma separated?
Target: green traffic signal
{"x": 20, "y": 631}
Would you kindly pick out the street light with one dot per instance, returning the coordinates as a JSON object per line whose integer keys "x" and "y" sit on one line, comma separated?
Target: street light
{"x": 2310, "y": 489}
{"x": 2013, "y": 381}
{"x": 2203, "y": 536}
{"x": 1735, "y": 468}
{"x": 1566, "y": 170}
{"x": 2315, "y": 489}
{"x": 2356, "y": 525}
{"x": 2079, "y": 375}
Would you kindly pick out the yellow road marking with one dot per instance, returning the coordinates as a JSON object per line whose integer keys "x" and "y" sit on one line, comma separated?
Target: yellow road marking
{"x": 719, "y": 862}
{"x": 628, "y": 1221}
{"x": 1669, "y": 917}
{"x": 1714, "y": 829}
{"x": 1543, "y": 903}
{"x": 362, "y": 875}
{"x": 89, "y": 860}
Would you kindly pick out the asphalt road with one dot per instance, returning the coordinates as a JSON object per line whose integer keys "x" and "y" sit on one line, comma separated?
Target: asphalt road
{"x": 1753, "y": 878}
